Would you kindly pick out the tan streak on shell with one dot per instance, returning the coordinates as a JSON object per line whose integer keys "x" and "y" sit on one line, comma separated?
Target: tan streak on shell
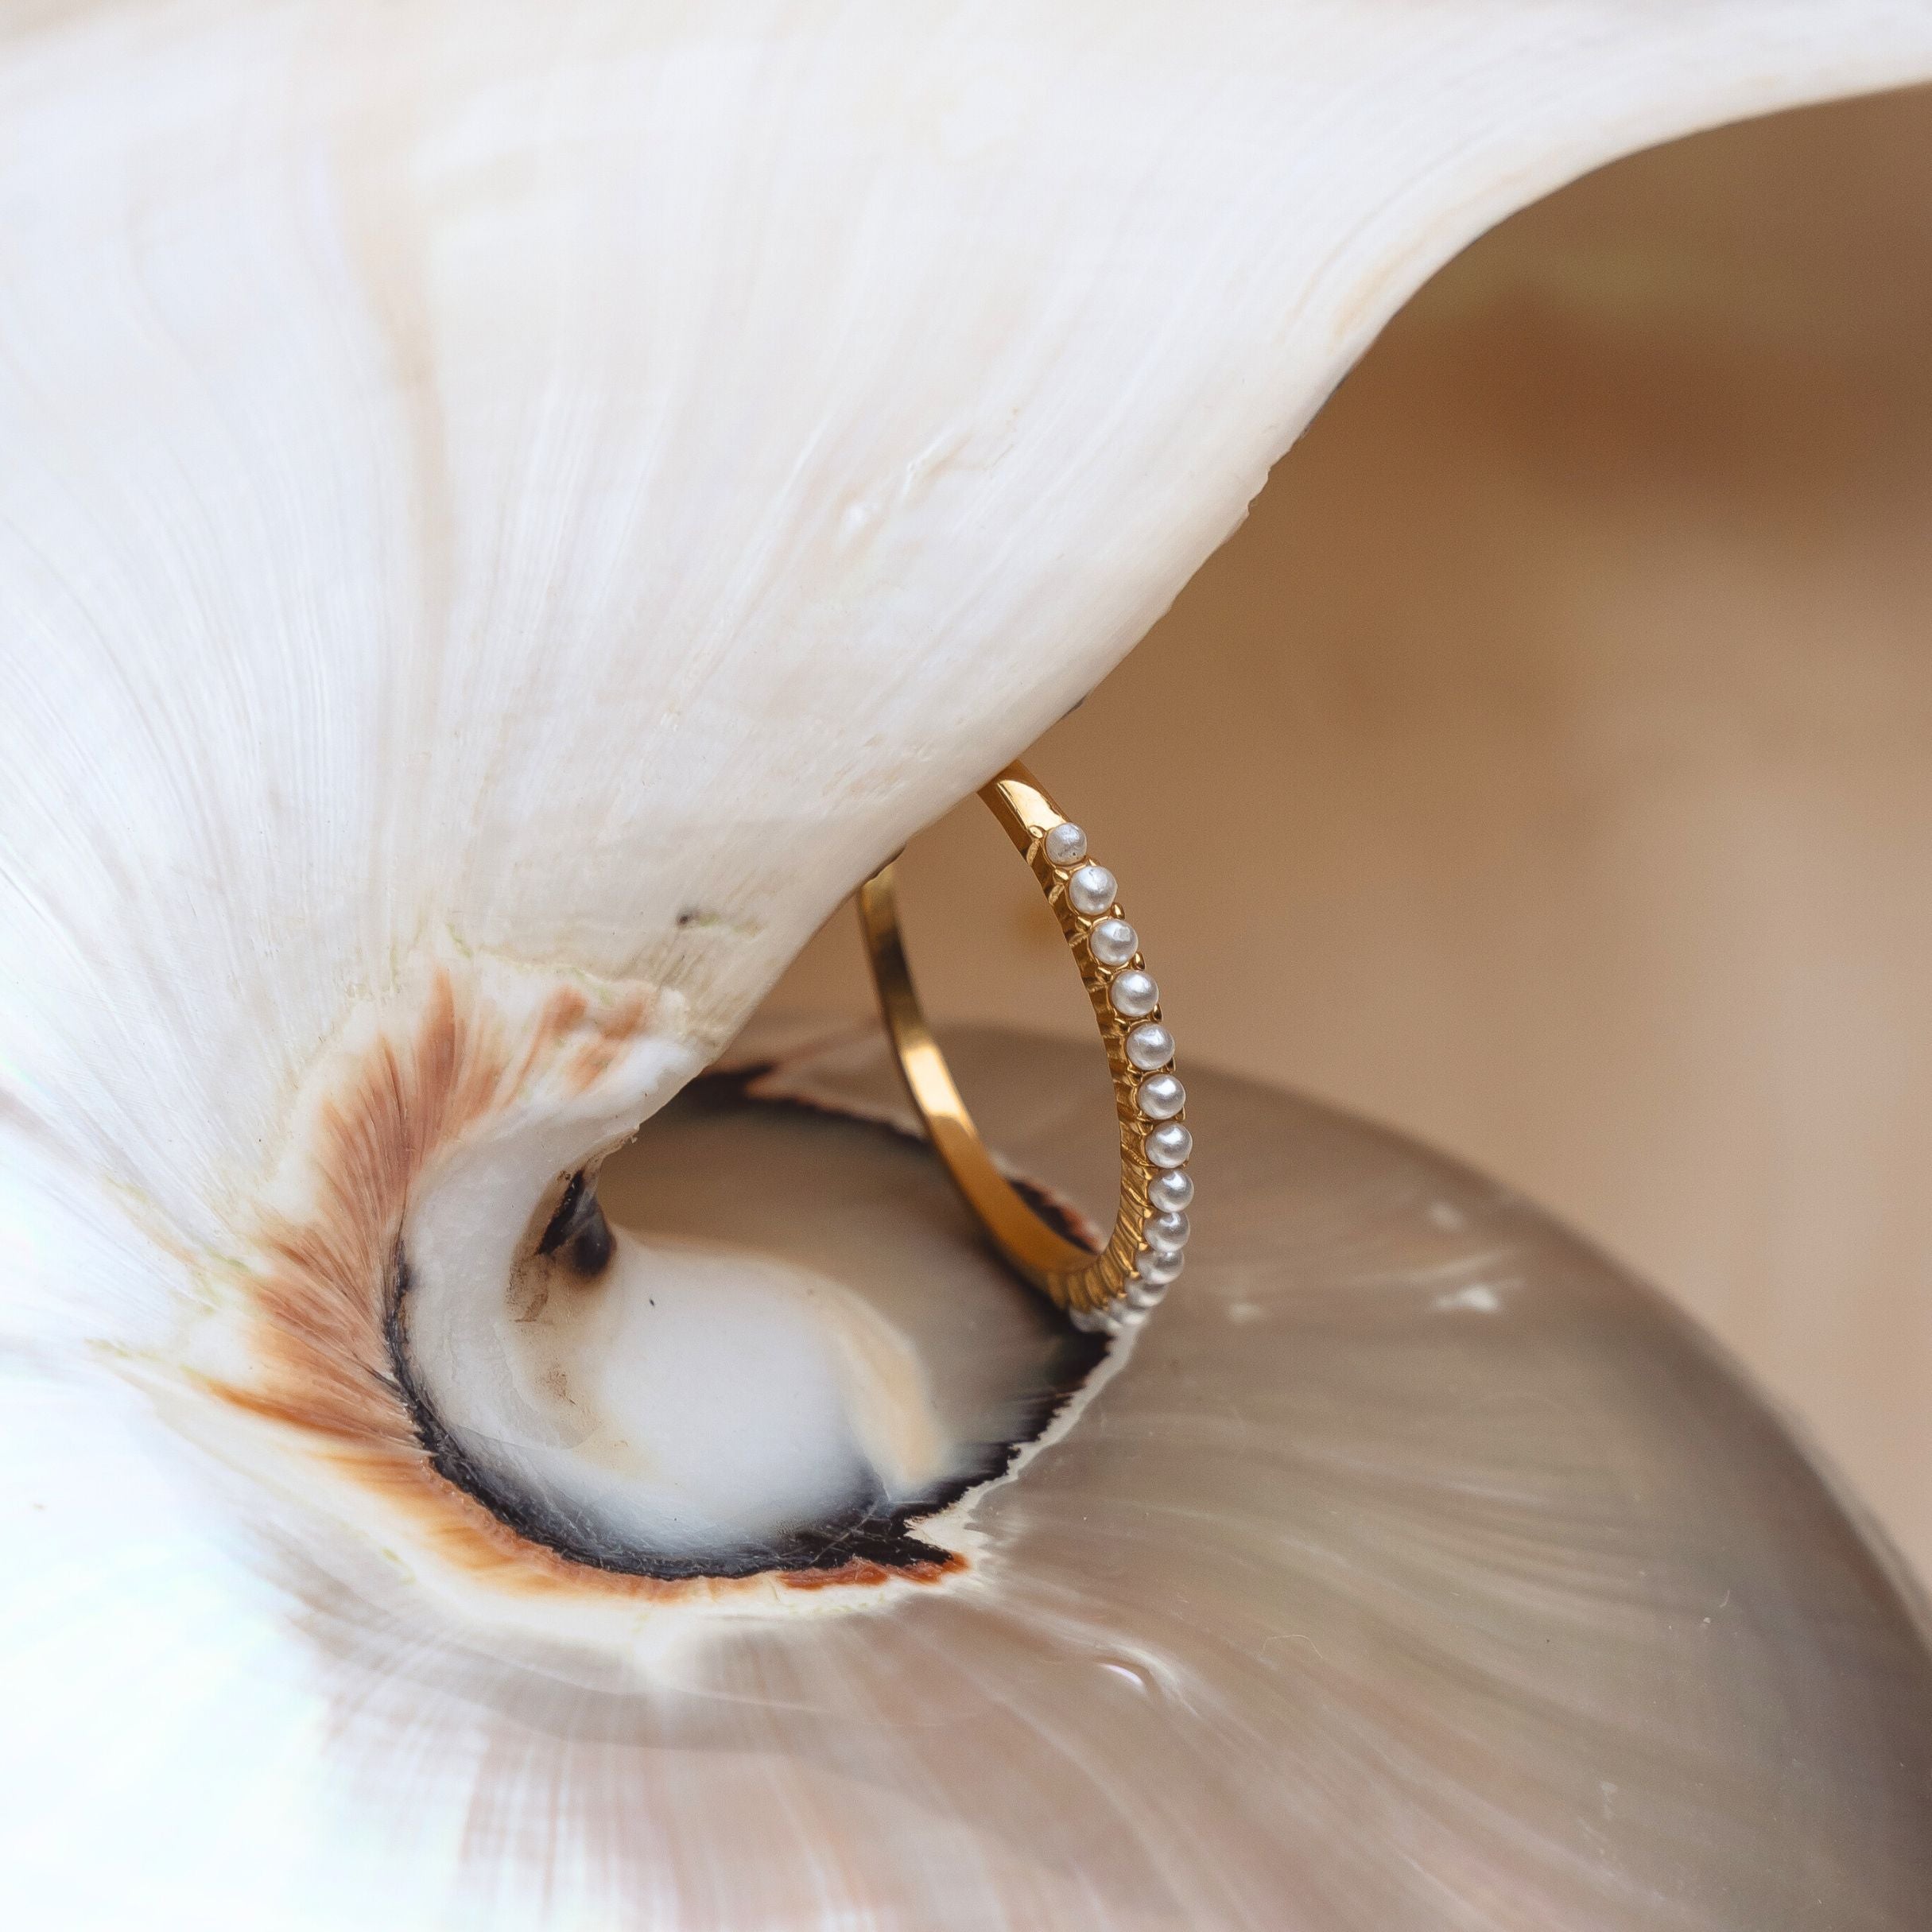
{"x": 319, "y": 1291}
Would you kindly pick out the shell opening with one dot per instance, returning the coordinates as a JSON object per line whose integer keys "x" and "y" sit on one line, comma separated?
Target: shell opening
{"x": 540, "y": 1365}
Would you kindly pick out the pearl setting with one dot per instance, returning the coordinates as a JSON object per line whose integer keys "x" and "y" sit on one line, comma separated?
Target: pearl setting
{"x": 1113, "y": 942}
{"x": 1171, "y": 1189}
{"x": 1091, "y": 889}
{"x": 1155, "y": 1143}
{"x": 1162, "y": 1096}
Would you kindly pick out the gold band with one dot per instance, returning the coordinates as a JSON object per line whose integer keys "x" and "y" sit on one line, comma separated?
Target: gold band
{"x": 1115, "y": 1288}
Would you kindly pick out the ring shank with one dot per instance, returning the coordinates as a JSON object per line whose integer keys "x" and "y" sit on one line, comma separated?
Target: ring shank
{"x": 1020, "y": 1232}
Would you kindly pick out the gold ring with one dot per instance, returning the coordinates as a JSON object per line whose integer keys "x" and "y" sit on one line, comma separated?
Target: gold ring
{"x": 1114, "y": 1289}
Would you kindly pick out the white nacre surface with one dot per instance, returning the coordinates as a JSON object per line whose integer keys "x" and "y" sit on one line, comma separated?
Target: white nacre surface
{"x": 1171, "y": 1190}
{"x": 695, "y": 1400}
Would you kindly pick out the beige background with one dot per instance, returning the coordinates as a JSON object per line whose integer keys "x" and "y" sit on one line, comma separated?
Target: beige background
{"x": 1546, "y": 766}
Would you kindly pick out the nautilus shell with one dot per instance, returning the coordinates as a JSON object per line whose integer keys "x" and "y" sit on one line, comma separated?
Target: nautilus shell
{"x": 508, "y": 513}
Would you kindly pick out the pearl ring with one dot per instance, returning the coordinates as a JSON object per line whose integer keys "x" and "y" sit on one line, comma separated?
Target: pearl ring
{"x": 1111, "y": 1290}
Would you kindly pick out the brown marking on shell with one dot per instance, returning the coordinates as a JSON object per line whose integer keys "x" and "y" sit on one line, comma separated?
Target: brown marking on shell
{"x": 861, "y": 1572}
{"x": 320, "y": 1290}
{"x": 563, "y": 1013}
{"x": 614, "y": 1031}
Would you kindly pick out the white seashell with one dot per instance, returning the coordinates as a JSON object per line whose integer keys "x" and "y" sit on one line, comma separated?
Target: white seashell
{"x": 505, "y": 514}
{"x": 1316, "y": 1484}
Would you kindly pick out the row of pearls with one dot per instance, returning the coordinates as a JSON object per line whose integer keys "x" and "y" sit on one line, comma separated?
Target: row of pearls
{"x": 1092, "y": 893}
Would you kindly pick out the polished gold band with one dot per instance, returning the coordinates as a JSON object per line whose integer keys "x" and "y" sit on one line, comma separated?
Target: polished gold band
{"x": 1115, "y": 1288}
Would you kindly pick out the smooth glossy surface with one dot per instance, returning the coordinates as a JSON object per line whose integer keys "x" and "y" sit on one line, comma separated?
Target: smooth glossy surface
{"x": 1171, "y": 1190}
{"x": 831, "y": 1198}
{"x": 1160, "y": 1271}
{"x": 1167, "y": 1234}
{"x": 1418, "y": 1571}
{"x": 1133, "y": 994}
{"x": 1162, "y": 1097}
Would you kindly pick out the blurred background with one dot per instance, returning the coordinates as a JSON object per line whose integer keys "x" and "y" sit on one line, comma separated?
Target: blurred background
{"x": 1546, "y": 767}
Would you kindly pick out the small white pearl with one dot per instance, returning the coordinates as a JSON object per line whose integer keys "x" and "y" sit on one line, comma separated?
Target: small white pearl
{"x": 1172, "y": 1191}
{"x": 1091, "y": 889}
{"x": 1169, "y": 1146}
{"x": 1149, "y": 1045}
{"x": 1144, "y": 1294}
{"x": 1114, "y": 942}
{"x": 1160, "y": 1270}
{"x": 1166, "y": 1234}
{"x": 1162, "y": 1096}
{"x": 1066, "y": 845}
{"x": 1133, "y": 994}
